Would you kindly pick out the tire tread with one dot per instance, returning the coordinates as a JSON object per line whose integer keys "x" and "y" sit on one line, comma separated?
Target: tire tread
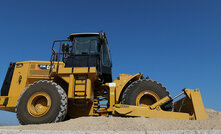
{"x": 63, "y": 106}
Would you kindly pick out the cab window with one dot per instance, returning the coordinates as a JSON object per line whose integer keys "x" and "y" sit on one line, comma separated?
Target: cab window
{"x": 106, "y": 57}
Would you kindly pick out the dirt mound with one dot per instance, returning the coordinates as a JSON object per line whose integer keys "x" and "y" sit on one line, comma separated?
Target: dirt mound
{"x": 128, "y": 124}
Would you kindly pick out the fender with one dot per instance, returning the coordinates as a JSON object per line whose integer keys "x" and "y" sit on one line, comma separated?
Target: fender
{"x": 122, "y": 82}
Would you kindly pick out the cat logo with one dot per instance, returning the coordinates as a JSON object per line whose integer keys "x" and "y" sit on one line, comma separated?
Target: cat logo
{"x": 44, "y": 67}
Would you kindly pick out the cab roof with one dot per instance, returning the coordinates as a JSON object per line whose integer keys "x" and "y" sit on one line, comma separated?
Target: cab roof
{"x": 81, "y": 34}
{"x": 76, "y": 34}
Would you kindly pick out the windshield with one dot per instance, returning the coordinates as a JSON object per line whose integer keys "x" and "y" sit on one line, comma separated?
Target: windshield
{"x": 85, "y": 45}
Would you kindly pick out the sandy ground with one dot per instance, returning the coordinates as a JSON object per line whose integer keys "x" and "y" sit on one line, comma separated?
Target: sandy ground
{"x": 128, "y": 124}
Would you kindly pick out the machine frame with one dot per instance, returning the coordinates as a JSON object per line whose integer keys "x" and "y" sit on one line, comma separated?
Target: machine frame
{"x": 86, "y": 87}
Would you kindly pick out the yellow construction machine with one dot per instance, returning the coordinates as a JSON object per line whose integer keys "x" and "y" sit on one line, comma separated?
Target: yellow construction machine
{"x": 77, "y": 81}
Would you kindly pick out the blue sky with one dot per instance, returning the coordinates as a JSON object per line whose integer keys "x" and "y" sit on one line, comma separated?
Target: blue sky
{"x": 174, "y": 42}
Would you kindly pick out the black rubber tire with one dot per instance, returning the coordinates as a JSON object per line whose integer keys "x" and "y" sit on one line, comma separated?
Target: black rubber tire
{"x": 57, "y": 111}
{"x": 130, "y": 94}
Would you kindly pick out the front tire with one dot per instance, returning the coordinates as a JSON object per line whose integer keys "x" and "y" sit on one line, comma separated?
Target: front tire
{"x": 145, "y": 92}
{"x": 42, "y": 102}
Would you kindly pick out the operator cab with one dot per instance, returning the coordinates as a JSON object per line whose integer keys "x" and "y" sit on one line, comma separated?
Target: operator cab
{"x": 89, "y": 50}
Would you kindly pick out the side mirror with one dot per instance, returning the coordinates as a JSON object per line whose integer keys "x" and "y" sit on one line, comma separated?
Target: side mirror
{"x": 65, "y": 47}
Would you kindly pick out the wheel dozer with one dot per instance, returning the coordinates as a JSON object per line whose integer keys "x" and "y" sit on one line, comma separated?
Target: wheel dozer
{"x": 77, "y": 81}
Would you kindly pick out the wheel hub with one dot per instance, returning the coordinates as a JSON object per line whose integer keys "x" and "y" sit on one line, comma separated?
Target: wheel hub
{"x": 146, "y": 98}
{"x": 39, "y": 104}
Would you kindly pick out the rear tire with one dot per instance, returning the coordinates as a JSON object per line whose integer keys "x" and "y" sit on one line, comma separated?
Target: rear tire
{"x": 145, "y": 92}
{"x": 42, "y": 102}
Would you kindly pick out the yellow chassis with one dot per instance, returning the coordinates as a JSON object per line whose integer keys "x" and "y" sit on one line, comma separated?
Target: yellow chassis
{"x": 26, "y": 73}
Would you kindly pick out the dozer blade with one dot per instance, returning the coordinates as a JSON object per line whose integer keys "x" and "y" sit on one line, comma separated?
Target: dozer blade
{"x": 190, "y": 107}
{"x": 192, "y": 103}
